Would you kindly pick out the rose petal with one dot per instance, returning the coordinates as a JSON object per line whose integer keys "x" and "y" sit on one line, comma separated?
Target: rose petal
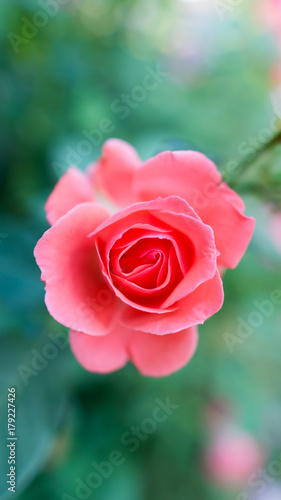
{"x": 144, "y": 269}
{"x": 233, "y": 230}
{"x": 204, "y": 253}
{"x": 76, "y": 293}
{"x": 114, "y": 171}
{"x": 195, "y": 178}
{"x": 179, "y": 173}
{"x": 108, "y": 234}
{"x": 192, "y": 310}
{"x": 159, "y": 356}
{"x": 74, "y": 187}
{"x": 153, "y": 355}
{"x": 100, "y": 354}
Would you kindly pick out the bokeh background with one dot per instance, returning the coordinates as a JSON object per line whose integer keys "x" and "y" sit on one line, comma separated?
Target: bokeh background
{"x": 217, "y": 67}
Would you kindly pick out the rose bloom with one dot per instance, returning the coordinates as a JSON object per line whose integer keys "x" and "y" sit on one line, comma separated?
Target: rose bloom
{"x": 232, "y": 457}
{"x": 134, "y": 285}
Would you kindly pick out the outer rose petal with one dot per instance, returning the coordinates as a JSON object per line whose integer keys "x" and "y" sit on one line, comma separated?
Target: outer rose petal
{"x": 158, "y": 356}
{"x": 114, "y": 171}
{"x": 100, "y": 354}
{"x": 74, "y": 187}
{"x": 192, "y": 310}
{"x": 233, "y": 231}
{"x": 154, "y": 356}
{"x": 75, "y": 288}
{"x": 195, "y": 178}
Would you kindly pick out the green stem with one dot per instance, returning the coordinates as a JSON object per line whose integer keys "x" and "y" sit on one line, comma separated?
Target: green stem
{"x": 251, "y": 158}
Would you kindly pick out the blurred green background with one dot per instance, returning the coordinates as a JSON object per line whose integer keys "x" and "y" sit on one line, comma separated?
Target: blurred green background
{"x": 68, "y": 71}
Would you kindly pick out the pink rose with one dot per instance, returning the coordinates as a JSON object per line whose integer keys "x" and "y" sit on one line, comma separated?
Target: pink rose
{"x": 134, "y": 285}
{"x": 232, "y": 457}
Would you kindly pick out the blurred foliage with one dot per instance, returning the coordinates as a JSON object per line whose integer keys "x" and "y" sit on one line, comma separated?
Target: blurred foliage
{"x": 61, "y": 81}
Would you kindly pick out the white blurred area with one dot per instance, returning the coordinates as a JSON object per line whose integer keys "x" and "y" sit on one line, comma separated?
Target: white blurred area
{"x": 190, "y": 34}
{"x": 271, "y": 492}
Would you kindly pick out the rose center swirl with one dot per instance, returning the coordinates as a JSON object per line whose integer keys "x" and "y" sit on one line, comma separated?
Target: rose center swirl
{"x": 151, "y": 263}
